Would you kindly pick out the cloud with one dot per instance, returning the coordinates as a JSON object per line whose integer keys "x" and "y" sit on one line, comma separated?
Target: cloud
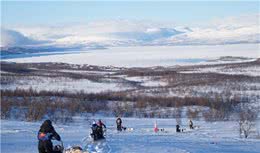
{"x": 15, "y": 38}
{"x": 240, "y": 29}
{"x": 218, "y": 36}
{"x": 148, "y": 35}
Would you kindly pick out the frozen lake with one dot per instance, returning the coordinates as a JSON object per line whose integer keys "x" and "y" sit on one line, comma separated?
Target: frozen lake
{"x": 147, "y": 56}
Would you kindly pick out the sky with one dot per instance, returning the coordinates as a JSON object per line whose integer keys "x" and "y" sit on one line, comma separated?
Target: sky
{"x": 186, "y": 12}
{"x": 117, "y": 23}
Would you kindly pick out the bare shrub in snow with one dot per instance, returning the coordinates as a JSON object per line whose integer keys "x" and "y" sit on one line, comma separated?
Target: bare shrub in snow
{"x": 5, "y": 109}
{"x": 122, "y": 109}
{"x": 193, "y": 114}
{"x": 178, "y": 115}
{"x": 213, "y": 115}
{"x": 247, "y": 119}
{"x": 62, "y": 116}
{"x": 35, "y": 111}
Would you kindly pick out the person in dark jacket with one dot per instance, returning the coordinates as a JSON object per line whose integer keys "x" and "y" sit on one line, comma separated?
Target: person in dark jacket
{"x": 45, "y": 135}
{"x": 191, "y": 124}
{"x": 178, "y": 128}
{"x": 97, "y": 132}
{"x": 102, "y": 126}
{"x": 119, "y": 124}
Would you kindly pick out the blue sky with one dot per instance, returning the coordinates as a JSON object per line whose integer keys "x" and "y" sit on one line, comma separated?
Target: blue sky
{"x": 187, "y": 12}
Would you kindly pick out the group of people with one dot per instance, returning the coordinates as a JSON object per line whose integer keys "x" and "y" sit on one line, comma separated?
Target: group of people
{"x": 47, "y": 133}
{"x": 178, "y": 128}
{"x": 99, "y": 128}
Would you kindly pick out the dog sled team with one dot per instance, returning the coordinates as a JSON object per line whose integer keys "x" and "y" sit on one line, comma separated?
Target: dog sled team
{"x": 191, "y": 126}
{"x": 47, "y": 133}
{"x": 178, "y": 128}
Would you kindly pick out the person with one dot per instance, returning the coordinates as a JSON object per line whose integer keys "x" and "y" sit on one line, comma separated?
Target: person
{"x": 45, "y": 135}
{"x": 94, "y": 131}
{"x": 155, "y": 127}
{"x": 119, "y": 124}
{"x": 191, "y": 124}
{"x": 178, "y": 128}
{"x": 102, "y": 126}
{"x": 97, "y": 132}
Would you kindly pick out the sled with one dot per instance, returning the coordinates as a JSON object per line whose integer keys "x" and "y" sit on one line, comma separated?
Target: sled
{"x": 126, "y": 129}
{"x": 58, "y": 147}
{"x": 75, "y": 149}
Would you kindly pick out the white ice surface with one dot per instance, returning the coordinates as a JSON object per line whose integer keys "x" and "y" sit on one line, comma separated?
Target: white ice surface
{"x": 147, "y": 56}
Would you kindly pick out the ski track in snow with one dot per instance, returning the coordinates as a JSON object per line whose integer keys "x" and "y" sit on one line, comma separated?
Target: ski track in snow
{"x": 221, "y": 137}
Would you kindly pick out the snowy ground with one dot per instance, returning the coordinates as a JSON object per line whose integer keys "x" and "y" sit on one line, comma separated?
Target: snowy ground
{"x": 63, "y": 84}
{"x": 250, "y": 71}
{"x": 221, "y": 137}
{"x": 147, "y": 56}
{"x": 183, "y": 81}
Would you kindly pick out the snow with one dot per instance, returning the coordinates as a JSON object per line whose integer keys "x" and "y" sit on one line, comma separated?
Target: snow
{"x": 3, "y": 72}
{"x": 64, "y": 84}
{"x": 147, "y": 56}
{"x": 20, "y": 136}
{"x": 243, "y": 88}
{"x": 87, "y": 72}
{"x": 147, "y": 81}
{"x": 250, "y": 71}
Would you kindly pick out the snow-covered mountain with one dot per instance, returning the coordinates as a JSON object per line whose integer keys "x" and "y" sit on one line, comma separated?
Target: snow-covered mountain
{"x": 243, "y": 29}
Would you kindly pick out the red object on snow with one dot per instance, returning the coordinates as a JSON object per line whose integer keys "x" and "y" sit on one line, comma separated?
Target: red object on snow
{"x": 155, "y": 127}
